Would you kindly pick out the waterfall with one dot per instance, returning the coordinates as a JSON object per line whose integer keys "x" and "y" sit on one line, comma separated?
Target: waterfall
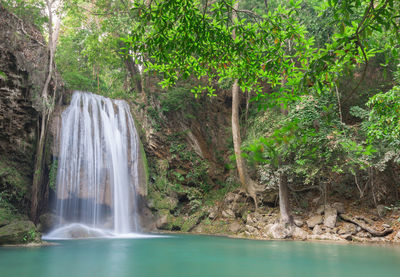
{"x": 97, "y": 175}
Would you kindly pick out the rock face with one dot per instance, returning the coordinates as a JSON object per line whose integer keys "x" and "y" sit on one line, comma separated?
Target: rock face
{"x": 47, "y": 221}
{"x": 17, "y": 232}
{"x": 23, "y": 70}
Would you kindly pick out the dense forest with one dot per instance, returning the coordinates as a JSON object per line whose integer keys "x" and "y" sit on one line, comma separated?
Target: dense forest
{"x": 246, "y": 109}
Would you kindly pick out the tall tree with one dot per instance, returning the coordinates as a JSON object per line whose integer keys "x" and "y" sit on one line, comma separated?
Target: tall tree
{"x": 47, "y": 107}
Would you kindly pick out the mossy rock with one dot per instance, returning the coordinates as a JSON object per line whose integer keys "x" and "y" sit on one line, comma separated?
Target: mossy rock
{"x": 5, "y": 216}
{"x": 193, "y": 220}
{"x": 162, "y": 202}
{"x": 19, "y": 232}
{"x": 167, "y": 221}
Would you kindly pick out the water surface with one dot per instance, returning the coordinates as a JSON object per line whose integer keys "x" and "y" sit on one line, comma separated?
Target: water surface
{"x": 184, "y": 255}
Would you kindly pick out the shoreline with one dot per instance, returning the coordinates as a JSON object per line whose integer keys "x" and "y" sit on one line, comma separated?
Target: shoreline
{"x": 326, "y": 241}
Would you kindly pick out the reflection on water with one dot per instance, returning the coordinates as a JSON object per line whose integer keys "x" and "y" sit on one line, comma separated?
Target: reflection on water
{"x": 199, "y": 256}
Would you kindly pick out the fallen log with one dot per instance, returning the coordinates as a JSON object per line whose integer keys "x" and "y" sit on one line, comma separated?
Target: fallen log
{"x": 365, "y": 227}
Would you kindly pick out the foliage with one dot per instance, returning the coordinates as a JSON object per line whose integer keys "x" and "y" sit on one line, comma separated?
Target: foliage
{"x": 385, "y": 117}
{"x": 13, "y": 186}
{"x": 308, "y": 144}
{"x": 29, "y": 10}
{"x": 53, "y": 174}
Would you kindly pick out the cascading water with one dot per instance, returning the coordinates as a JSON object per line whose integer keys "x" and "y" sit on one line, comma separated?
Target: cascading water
{"x": 97, "y": 174}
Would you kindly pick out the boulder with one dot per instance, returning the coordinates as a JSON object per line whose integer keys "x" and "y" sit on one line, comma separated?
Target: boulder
{"x": 396, "y": 238}
{"x": 330, "y": 217}
{"x": 364, "y": 234}
{"x": 19, "y": 231}
{"x": 320, "y": 210}
{"x": 281, "y": 231}
{"x": 251, "y": 229}
{"x": 314, "y": 220}
{"x": 347, "y": 236}
{"x": 381, "y": 210}
{"x": 213, "y": 212}
{"x": 299, "y": 233}
{"x": 162, "y": 221}
{"x": 298, "y": 222}
{"x": 230, "y": 197}
{"x": 347, "y": 228}
{"x": 228, "y": 213}
{"x": 48, "y": 221}
{"x": 235, "y": 227}
{"x": 317, "y": 230}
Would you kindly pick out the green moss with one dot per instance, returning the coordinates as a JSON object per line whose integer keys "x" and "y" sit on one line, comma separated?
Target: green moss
{"x": 19, "y": 231}
{"x": 192, "y": 221}
{"x": 53, "y": 174}
{"x": 145, "y": 164}
{"x": 13, "y": 184}
{"x": 3, "y": 76}
{"x": 162, "y": 202}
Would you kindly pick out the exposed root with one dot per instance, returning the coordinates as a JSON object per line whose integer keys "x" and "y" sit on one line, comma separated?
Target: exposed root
{"x": 365, "y": 227}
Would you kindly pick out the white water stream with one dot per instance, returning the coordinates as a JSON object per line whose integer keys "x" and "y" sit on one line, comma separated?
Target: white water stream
{"x": 97, "y": 175}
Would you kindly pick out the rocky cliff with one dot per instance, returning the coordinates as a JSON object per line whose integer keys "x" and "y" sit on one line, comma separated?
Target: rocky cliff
{"x": 23, "y": 70}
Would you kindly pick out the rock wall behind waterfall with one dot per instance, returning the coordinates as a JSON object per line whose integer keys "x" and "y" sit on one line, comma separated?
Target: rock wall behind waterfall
{"x": 23, "y": 69}
{"x": 187, "y": 142}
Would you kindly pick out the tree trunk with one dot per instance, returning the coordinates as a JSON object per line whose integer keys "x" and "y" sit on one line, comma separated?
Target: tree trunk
{"x": 284, "y": 205}
{"x": 248, "y": 184}
{"x": 47, "y": 109}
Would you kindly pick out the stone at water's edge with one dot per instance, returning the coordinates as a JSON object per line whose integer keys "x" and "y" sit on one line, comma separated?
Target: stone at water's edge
{"x": 314, "y": 220}
{"x": 48, "y": 221}
{"x": 317, "y": 230}
{"x": 280, "y": 231}
{"x": 330, "y": 217}
{"x": 19, "y": 232}
{"x": 397, "y": 237}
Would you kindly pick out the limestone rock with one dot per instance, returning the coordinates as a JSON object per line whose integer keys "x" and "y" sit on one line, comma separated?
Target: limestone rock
{"x": 317, "y": 230}
{"x": 298, "y": 222}
{"x": 339, "y": 206}
{"x": 320, "y": 210}
{"x": 314, "y": 220}
{"x": 348, "y": 228}
{"x": 235, "y": 227}
{"x": 325, "y": 236}
{"x": 251, "y": 229}
{"x": 397, "y": 237}
{"x": 299, "y": 233}
{"x": 230, "y": 197}
{"x": 228, "y": 213}
{"x": 381, "y": 210}
{"x": 364, "y": 234}
{"x": 19, "y": 231}
{"x": 162, "y": 221}
{"x": 280, "y": 231}
{"x": 330, "y": 217}
{"x": 212, "y": 212}
{"x": 48, "y": 221}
